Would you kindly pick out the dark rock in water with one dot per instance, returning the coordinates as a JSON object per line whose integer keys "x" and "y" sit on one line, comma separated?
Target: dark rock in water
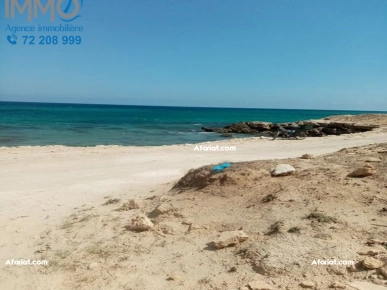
{"x": 316, "y": 132}
{"x": 330, "y": 131}
{"x": 260, "y": 126}
{"x": 319, "y": 128}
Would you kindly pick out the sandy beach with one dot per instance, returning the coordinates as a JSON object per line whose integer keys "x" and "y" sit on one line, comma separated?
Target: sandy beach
{"x": 42, "y": 186}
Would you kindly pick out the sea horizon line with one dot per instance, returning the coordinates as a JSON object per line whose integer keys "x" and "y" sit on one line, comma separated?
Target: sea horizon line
{"x": 191, "y": 107}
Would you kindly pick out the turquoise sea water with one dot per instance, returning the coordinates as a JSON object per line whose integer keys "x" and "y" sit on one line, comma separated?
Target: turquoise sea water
{"x": 89, "y": 125}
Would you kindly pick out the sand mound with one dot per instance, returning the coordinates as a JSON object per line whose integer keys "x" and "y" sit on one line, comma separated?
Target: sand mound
{"x": 318, "y": 212}
{"x": 374, "y": 119}
{"x": 237, "y": 174}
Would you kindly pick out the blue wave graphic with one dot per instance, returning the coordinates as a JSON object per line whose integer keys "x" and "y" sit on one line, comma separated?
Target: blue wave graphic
{"x": 68, "y": 6}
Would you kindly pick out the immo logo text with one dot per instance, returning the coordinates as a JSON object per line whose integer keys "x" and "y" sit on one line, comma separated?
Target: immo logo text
{"x": 68, "y": 10}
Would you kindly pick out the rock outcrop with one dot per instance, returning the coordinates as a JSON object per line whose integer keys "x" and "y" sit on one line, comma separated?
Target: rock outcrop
{"x": 319, "y": 128}
{"x": 282, "y": 170}
{"x": 366, "y": 170}
{"x": 230, "y": 238}
{"x": 372, "y": 263}
{"x": 140, "y": 223}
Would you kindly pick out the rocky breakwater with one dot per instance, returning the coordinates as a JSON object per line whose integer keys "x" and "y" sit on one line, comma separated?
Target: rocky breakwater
{"x": 320, "y": 128}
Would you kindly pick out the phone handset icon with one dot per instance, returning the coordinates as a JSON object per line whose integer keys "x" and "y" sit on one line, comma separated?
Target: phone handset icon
{"x": 12, "y": 39}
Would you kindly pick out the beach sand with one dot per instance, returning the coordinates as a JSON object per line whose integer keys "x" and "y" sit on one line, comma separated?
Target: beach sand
{"x": 41, "y": 187}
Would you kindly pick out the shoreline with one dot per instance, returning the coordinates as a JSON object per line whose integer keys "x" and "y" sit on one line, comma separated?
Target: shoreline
{"x": 236, "y": 140}
{"x": 31, "y": 164}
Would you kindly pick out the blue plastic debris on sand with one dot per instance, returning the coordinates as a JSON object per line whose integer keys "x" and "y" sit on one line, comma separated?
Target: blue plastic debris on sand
{"x": 222, "y": 166}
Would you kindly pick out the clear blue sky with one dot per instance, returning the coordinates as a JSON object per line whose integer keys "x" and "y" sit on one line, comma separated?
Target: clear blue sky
{"x": 322, "y": 54}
